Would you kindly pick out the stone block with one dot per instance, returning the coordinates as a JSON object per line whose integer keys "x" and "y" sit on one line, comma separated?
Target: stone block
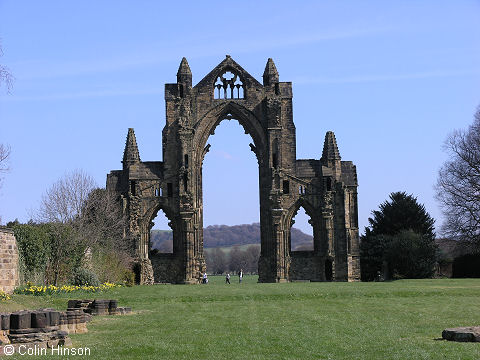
{"x": 20, "y": 320}
{"x": 5, "y": 321}
{"x": 462, "y": 334}
{"x": 40, "y": 319}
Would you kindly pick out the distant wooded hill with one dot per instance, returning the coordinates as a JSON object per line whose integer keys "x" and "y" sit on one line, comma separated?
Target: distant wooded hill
{"x": 224, "y": 236}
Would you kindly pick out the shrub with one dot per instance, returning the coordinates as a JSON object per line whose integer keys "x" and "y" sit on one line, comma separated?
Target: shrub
{"x": 129, "y": 278}
{"x": 84, "y": 277}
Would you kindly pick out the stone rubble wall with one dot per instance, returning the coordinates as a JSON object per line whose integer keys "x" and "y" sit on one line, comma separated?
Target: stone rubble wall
{"x": 9, "y": 272}
{"x": 48, "y": 328}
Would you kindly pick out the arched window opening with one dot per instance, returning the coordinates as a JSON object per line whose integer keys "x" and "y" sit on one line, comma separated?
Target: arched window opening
{"x": 161, "y": 234}
{"x": 301, "y": 232}
{"x": 230, "y": 202}
{"x": 229, "y": 86}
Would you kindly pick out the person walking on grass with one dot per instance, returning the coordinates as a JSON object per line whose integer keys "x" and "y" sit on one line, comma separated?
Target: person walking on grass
{"x": 227, "y": 278}
{"x": 205, "y": 279}
{"x": 240, "y": 276}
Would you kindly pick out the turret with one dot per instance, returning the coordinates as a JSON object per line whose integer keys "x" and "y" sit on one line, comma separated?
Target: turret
{"x": 131, "y": 154}
{"x": 331, "y": 156}
{"x": 184, "y": 74}
{"x": 270, "y": 75}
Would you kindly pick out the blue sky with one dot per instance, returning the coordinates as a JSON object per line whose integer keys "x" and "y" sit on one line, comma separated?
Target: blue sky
{"x": 391, "y": 79}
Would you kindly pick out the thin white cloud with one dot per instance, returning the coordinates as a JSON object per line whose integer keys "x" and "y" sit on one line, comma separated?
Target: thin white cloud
{"x": 80, "y": 95}
{"x": 222, "y": 154}
{"x": 156, "y": 53}
{"x": 386, "y": 77}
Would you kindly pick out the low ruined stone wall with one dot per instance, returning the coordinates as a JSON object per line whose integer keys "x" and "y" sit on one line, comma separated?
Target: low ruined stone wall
{"x": 166, "y": 268}
{"x": 305, "y": 265}
{"x": 9, "y": 274}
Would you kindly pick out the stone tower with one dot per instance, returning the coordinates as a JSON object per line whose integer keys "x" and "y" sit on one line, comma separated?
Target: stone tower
{"x": 325, "y": 188}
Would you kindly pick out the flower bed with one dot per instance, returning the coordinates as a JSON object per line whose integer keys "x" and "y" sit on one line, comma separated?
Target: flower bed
{"x": 4, "y": 296}
{"x": 64, "y": 289}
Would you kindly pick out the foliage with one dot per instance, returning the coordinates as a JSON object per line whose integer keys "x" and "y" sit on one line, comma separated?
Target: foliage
{"x": 76, "y": 222}
{"x": 129, "y": 278}
{"x": 224, "y": 236}
{"x": 84, "y": 277}
{"x": 65, "y": 289}
{"x": 110, "y": 265}
{"x": 466, "y": 266}
{"x": 220, "y": 261}
{"x": 458, "y": 185}
{"x": 400, "y": 229}
{"x": 217, "y": 262}
{"x": 33, "y": 242}
{"x": 410, "y": 255}
{"x": 402, "y": 212}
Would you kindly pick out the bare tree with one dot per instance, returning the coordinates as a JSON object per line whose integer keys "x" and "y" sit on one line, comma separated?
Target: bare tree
{"x": 4, "y": 156}
{"x": 102, "y": 221}
{"x": 458, "y": 185}
{"x": 6, "y": 76}
{"x": 64, "y": 200}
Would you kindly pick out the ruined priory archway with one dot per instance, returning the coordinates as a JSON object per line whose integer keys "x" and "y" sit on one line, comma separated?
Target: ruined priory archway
{"x": 326, "y": 187}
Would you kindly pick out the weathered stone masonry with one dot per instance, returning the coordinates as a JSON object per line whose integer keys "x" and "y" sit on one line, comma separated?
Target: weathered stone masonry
{"x": 9, "y": 276}
{"x": 326, "y": 188}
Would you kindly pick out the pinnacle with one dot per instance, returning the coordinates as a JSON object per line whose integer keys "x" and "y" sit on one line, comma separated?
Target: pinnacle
{"x": 131, "y": 154}
{"x": 184, "y": 68}
{"x": 330, "y": 148}
{"x": 270, "y": 75}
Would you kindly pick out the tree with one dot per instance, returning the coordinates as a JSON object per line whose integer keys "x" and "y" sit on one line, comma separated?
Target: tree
{"x": 400, "y": 228}
{"x": 61, "y": 208}
{"x": 64, "y": 200}
{"x": 4, "y": 156}
{"x": 237, "y": 259}
{"x": 102, "y": 221}
{"x": 252, "y": 254}
{"x": 410, "y": 255}
{"x": 6, "y": 76}
{"x": 458, "y": 185}
{"x": 216, "y": 261}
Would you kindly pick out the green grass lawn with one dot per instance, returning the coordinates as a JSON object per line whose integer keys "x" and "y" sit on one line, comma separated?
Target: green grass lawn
{"x": 393, "y": 320}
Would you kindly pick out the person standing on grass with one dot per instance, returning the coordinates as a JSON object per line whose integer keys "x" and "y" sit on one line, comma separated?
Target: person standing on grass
{"x": 240, "y": 276}
{"x": 205, "y": 279}
{"x": 227, "y": 278}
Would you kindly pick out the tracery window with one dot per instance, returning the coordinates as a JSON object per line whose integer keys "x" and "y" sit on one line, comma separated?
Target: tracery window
{"x": 229, "y": 86}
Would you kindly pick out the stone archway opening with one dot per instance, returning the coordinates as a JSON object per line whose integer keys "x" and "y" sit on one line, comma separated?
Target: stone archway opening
{"x": 229, "y": 173}
{"x": 161, "y": 234}
{"x": 301, "y": 231}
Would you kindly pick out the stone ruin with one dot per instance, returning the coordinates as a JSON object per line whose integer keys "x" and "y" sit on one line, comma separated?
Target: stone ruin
{"x": 326, "y": 187}
{"x": 98, "y": 307}
{"x": 462, "y": 334}
{"x": 49, "y": 328}
{"x": 9, "y": 273}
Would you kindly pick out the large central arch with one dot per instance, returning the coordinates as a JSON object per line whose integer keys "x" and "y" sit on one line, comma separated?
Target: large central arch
{"x": 326, "y": 188}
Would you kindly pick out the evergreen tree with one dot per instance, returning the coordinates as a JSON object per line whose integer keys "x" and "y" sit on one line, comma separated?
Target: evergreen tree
{"x": 400, "y": 240}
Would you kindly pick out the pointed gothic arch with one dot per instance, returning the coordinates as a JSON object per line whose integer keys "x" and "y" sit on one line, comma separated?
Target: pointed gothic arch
{"x": 326, "y": 187}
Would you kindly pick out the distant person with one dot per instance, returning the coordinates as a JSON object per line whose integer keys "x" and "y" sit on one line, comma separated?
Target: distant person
{"x": 205, "y": 279}
{"x": 240, "y": 276}
{"x": 227, "y": 278}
